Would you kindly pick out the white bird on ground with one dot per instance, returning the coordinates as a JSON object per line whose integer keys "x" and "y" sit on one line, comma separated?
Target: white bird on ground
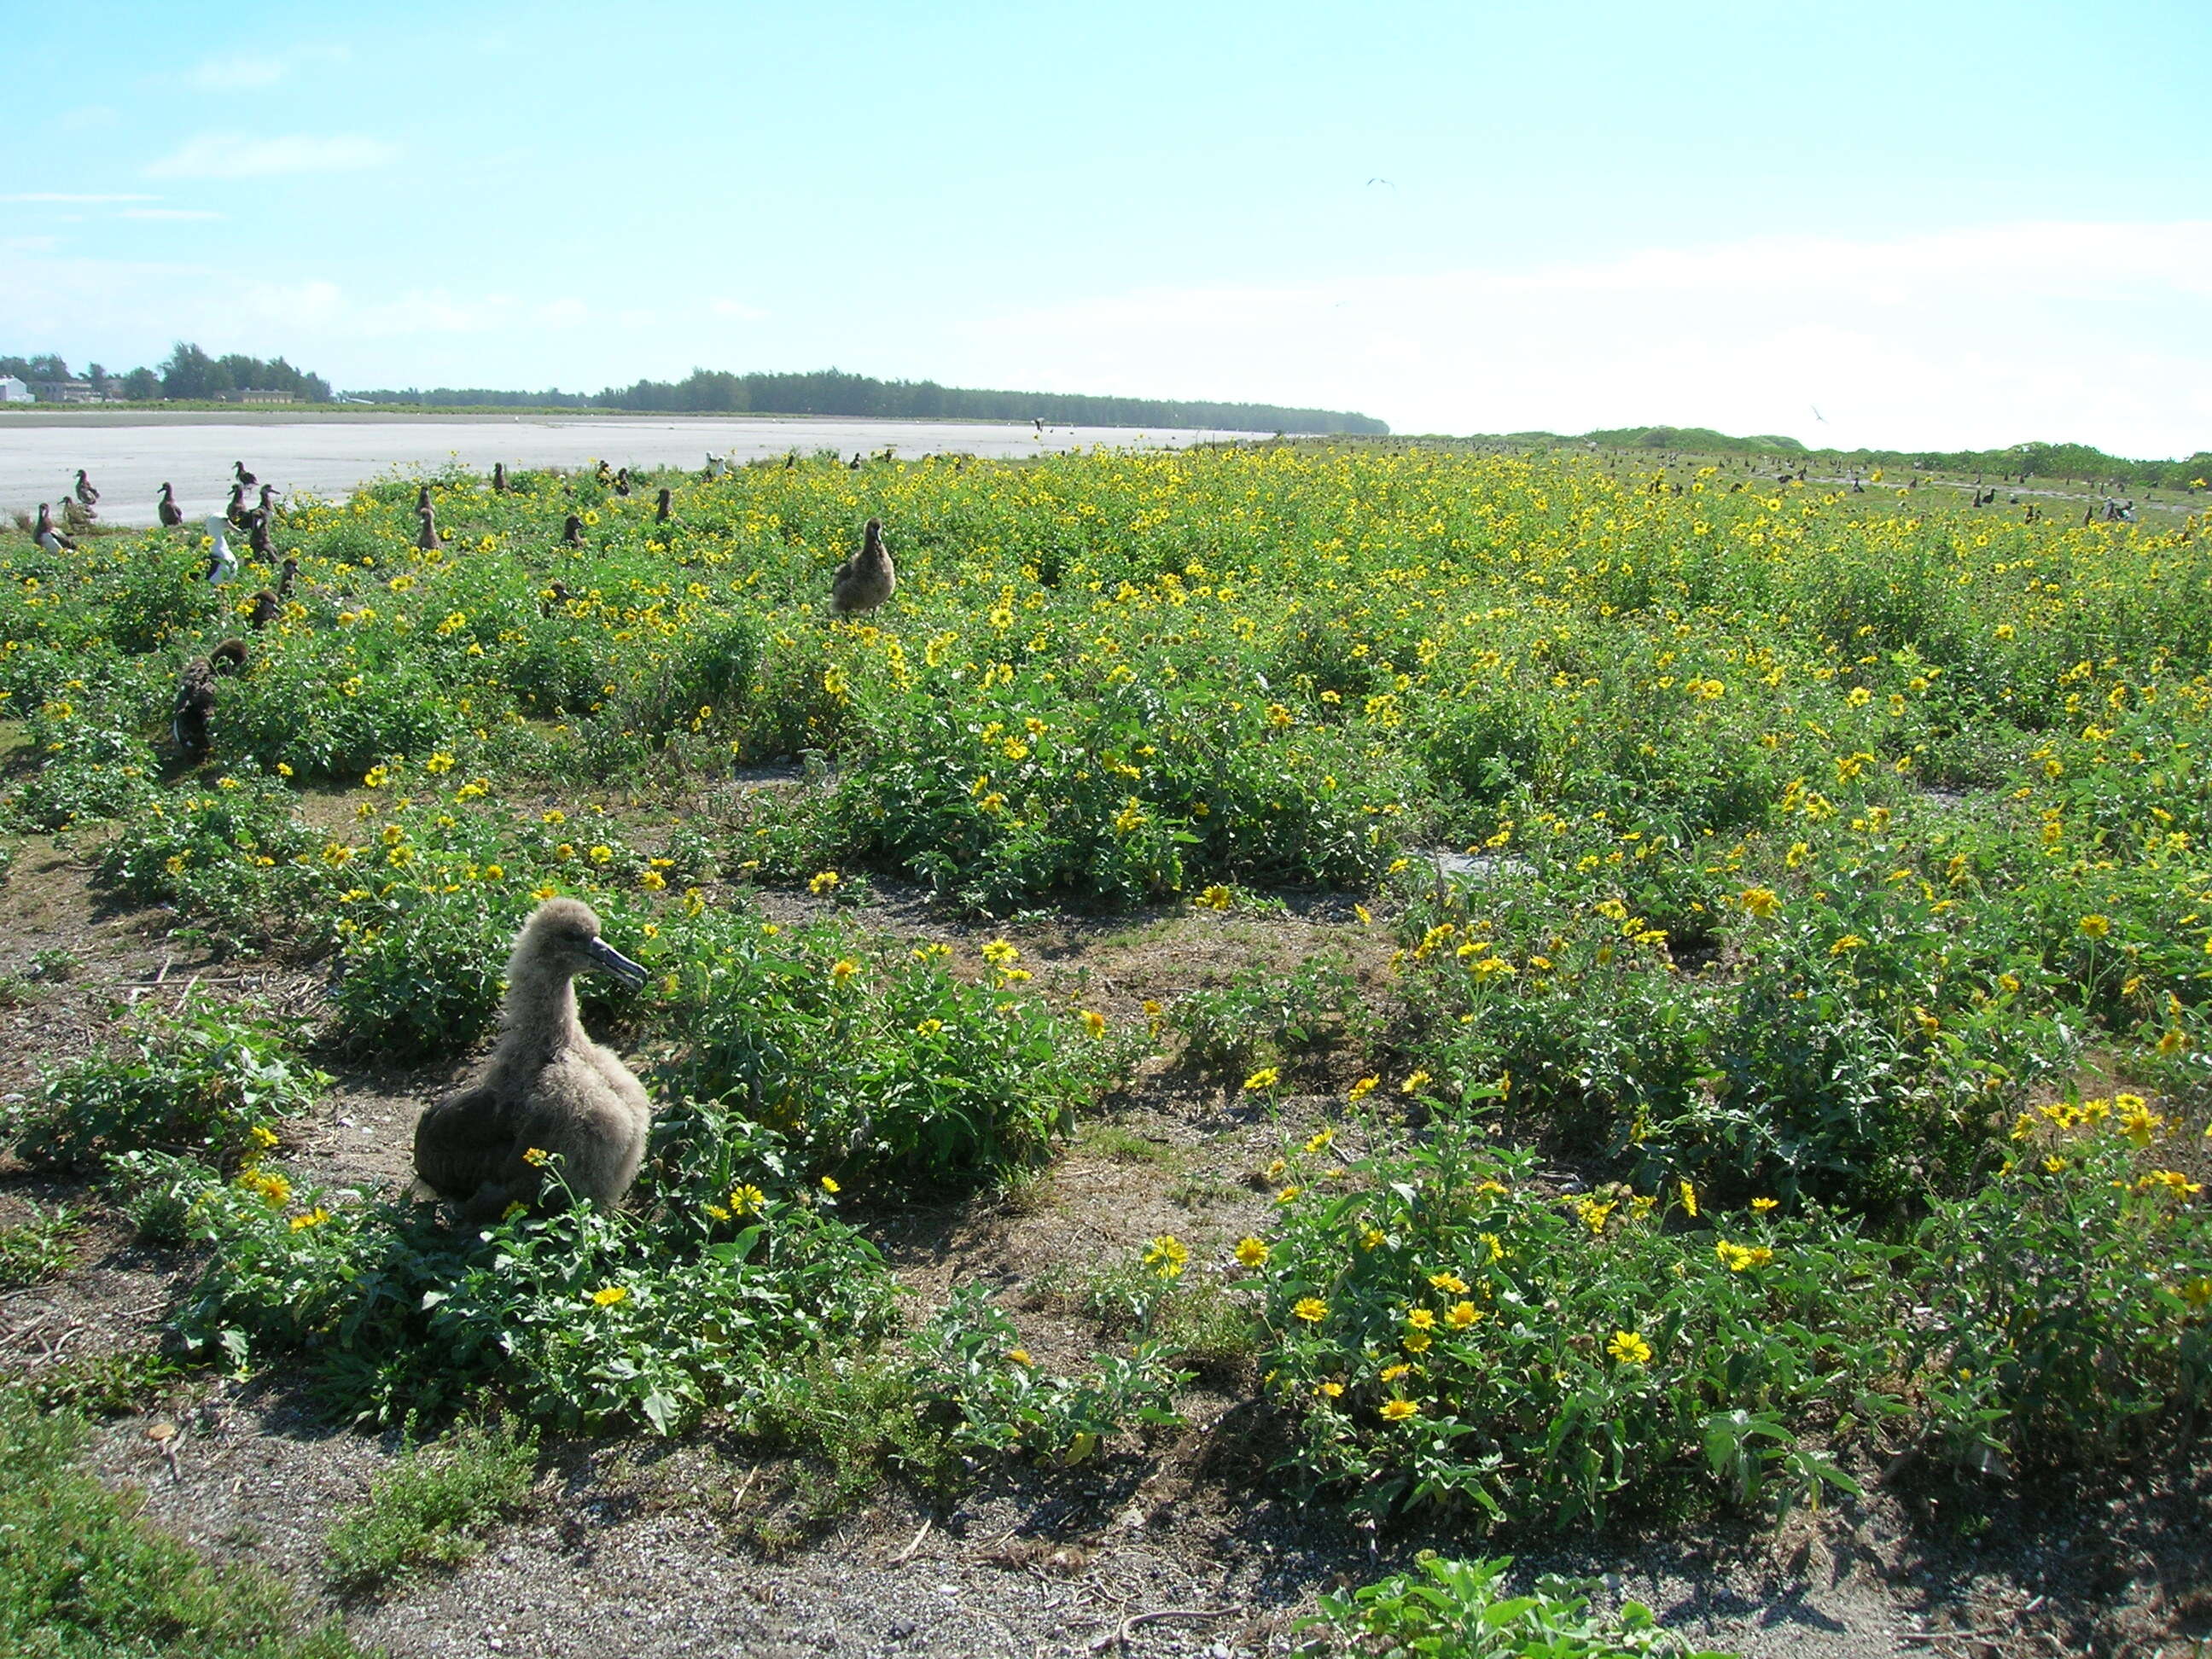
{"x": 222, "y": 563}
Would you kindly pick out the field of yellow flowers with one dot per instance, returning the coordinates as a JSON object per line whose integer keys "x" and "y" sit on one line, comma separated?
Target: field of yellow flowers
{"x": 1796, "y": 909}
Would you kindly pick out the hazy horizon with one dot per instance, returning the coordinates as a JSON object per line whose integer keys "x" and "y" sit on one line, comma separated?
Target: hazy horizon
{"x": 1948, "y": 227}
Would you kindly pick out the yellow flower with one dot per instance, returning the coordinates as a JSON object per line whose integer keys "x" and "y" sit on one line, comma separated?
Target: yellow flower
{"x": 1392, "y": 1372}
{"x": 653, "y": 881}
{"x": 263, "y": 1137}
{"x": 1629, "y": 1348}
{"x": 1251, "y": 1253}
{"x": 1397, "y": 1411}
{"x": 1412, "y": 1083}
{"x": 1312, "y": 1308}
{"x": 2137, "y": 1121}
{"x": 535, "y": 1157}
{"x": 1286, "y": 1195}
{"x": 823, "y": 882}
{"x": 1762, "y": 902}
{"x": 1449, "y": 1284}
{"x": 999, "y": 953}
{"x": 1167, "y": 1256}
{"x": 1362, "y": 1089}
{"x": 829, "y": 1186}
{"x": 1320, "y": 1139}
{"x": 1094, "y": 1023}
{"x": 746, "y": 1200}
{"x": 1265, "y": 1077}
{"x": 602, "y": 854}
{"x": 1461, "y": 1315}
{"x": 1421, "y": 1320}
{"x": 1689, "y": 1200}
{"x": 929, "y": 1027}
{"x": 1215, "y": 897}
{"x": 1418, "y": 1342}
{"x": 607, "y": 1295}
{"x": 1019, "y": 1356}
{"x": 1762, "y": 1205}
{"x": 553, "y": 815}
{"x": 2095, "y": 926}
{"x": 1333, "y": 1390}
{"x": 844, "y": 969}
{"x": 1370, "y": 1238}
{"x": 314, "y": 1218}
{"x": 1737, "y": 1257}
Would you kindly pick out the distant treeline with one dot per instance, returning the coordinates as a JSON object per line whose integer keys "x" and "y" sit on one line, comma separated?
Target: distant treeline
{"x": 187, "y": 374}
{"x": 832, "y": 392}
{"x": 2078, "y": 463}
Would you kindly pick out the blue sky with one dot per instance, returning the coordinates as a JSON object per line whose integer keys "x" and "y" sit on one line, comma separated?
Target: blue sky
{"x": 1938, "y": 224}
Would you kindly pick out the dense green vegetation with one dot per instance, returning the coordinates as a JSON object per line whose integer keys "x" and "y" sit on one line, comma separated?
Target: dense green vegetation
{"x": 1834, "y": 922}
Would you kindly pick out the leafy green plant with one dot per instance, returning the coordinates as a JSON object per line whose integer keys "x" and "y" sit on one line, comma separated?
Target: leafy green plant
{"x": 80, "y": 1573}
{"x": 44, "y": 1247}
{"x": 1462, "y": 1609}
{"x": 1444, "y": 1332}
{"x": 1264, "y": 1017}
{"x": 433, "y": 1506}
{"x": 970, "y": 1361}
{"x": 209, "y": 1081}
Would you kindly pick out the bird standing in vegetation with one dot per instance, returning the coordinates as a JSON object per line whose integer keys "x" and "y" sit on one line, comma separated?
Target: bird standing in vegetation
{"x": 268, "y": 606}
{"x": 660, "y": 507}
{"x": 167, "y": 509}
{"x": 499, "y": 477}
{"x": 196, "y": 695}
{"x": 427, "y": 538}
{"x": 77, "y": 516}
{"x": 222, "y": 563}
{"x": 867, "y": 579}
{"x": 46, "y": 536}
{"x": 85, "y": 493}
{"x": 622, "y": 481}
{"x": 237, "y": 510}
{"x": 548, "y": 1092}
{"x": 572, "y": 533}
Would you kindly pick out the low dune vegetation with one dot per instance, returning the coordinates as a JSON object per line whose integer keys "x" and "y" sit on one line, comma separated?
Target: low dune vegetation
{"x": 1760, "y": 1045}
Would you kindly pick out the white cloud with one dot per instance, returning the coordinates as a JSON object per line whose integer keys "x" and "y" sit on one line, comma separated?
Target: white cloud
{"x": 738, "y": 310}
{"x": 563, "y": 314}
{"x": 232, "y": 156}
{"x": 1986, "y": 335}
{"x": 71, "y": 197}
{"x": 252, "y": 71}
{"x": 87, "y": 117}
{"x": 176, "y": 214}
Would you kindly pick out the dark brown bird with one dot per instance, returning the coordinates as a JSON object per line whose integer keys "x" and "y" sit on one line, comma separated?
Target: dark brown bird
{"x": 85, "y": 492}
{"x": 499, "y": 477}
{"x": 660, "y": 508}
{"x": 236, "y": 511}
{"x": 867, "y": 579}
{"x": 245, "y": 480}
{"x": 427, "y": 538}
{"x": 548, "y": 1092}
{"x": 170, "y": 513}
{"x": 196, "y": 695}
{"x": 572, "y": 531}
{"x": 622, "y": 481}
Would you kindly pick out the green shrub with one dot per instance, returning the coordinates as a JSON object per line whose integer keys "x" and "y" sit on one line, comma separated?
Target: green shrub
{"x": 209, "y": 1081}
{"x": 1456, "y": 1609}
{"x": 1444, "y": 1333}
{"x": 232, "y": 856}
{"x": 433, "y": 1507}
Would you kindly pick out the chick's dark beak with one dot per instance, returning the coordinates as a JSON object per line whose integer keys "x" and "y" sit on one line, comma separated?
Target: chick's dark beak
{"x": 604, "y": 955}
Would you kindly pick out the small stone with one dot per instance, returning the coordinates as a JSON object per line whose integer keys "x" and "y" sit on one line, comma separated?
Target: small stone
{"x": 162, "y": 1432}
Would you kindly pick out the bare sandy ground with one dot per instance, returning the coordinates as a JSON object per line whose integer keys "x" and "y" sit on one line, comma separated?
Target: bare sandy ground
{"x": 129, "y": 457}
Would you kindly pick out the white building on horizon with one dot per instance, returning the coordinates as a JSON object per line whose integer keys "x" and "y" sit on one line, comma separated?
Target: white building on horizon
{"x": 13, "y": 391}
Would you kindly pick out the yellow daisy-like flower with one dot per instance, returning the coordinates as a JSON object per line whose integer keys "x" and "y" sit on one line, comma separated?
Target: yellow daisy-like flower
{"x": 607, "y": 1295}
{"x": 823, "y": 882}
{"x": 829, "y": 1186}
{"x": 1449, "y": 1284}
{"x": 1362, "y": 1089}
{"x": 1397, "y": 1411}
{"x": 1421, "y": 1319}
{"x": 1689, "y": 1200}
{"x": 1094, "y": 1022}
{"x": 1019, "y": 1356}
{"x": 1763, "y": 1205}
{"x": 2095, "y": 926}
{"x": 1333, "y": 1390}
{"x": 1310, "y": 1308}
{"x": 1265, "y": 1077}
{"x": 1462, "y": 1315}
{"x": 1251, "y": 1253}
{"x": 1417, "y": 1341}
{"x": 1287, "y": 1194}
{"x": 1629, "y": 1348}
{"x": 1167, "y": 1256}
{"x": 1413, "y": 1083}
{"x": 535, "y": 1157}
{"x": 745, "y": 1200}
{"x": 1320, "y": 1139}
{"x": 1392, "y": 1372}
{"x": 314, "y": 1218}
{"x": 842, "y": 970}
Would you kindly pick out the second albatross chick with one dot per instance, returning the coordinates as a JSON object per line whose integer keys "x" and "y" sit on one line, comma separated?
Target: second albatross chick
{"x": 548, "y": 1089}
{"x": 867, "y": 579}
